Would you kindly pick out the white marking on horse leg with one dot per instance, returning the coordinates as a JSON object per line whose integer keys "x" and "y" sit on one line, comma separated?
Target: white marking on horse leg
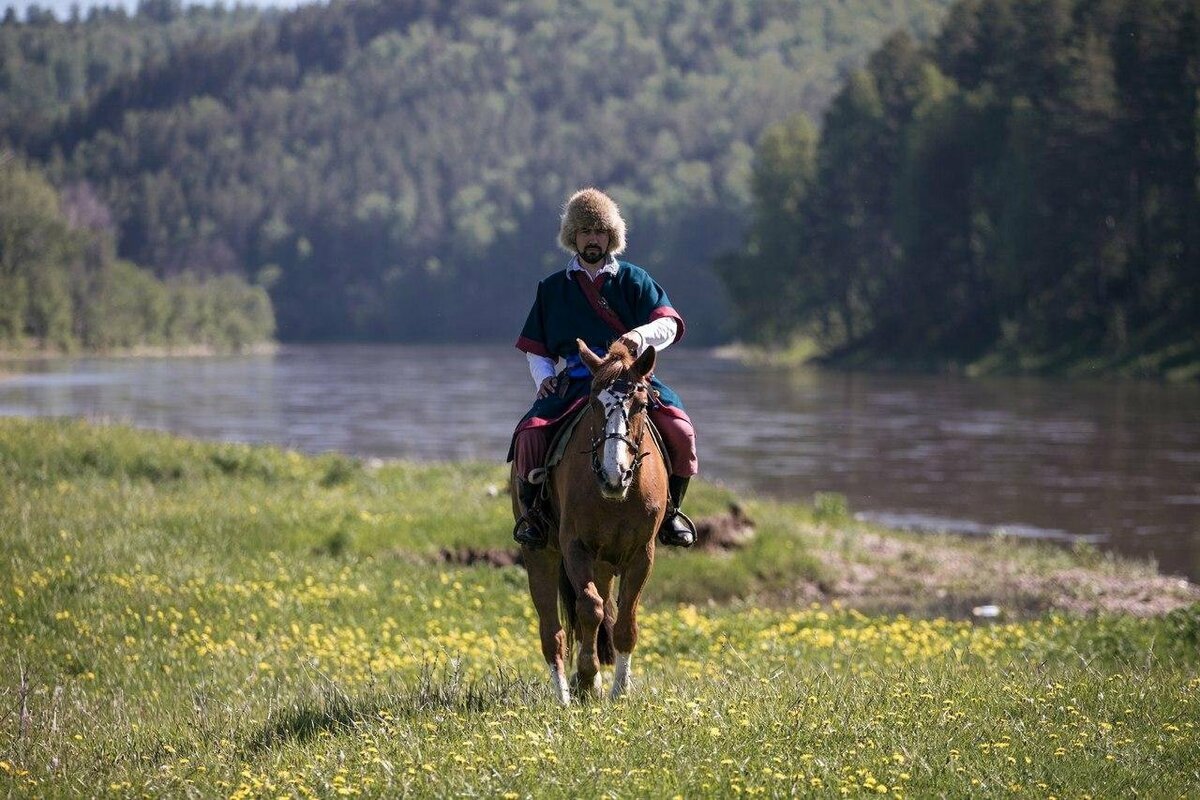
{"x": 621, "y": 678}
{"x": 559, "y": 682}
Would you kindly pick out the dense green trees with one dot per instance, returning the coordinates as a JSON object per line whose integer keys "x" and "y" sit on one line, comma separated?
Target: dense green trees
{"x": 61, "y": 286}
{"x": 1024, "y": 190}
{"x": 1020, "y": 188}
{"x": 395, "y": 170}
{"x": 46, "y": 65}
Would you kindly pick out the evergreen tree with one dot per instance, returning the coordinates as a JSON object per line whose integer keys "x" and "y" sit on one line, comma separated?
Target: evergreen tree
{"x": 1025, "y": 188}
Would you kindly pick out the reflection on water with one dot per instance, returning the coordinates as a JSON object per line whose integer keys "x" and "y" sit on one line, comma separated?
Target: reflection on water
{"x": 1118, "y": 463}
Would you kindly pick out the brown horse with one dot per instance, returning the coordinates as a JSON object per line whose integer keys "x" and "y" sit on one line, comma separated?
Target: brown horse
{"x": 609, "y": 495}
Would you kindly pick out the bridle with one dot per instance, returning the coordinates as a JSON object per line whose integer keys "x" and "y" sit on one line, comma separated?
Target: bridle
{"x": 623, "y": 389}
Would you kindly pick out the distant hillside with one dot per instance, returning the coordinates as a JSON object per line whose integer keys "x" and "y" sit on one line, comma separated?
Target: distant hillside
{"x": 395, "y": 170}
{"x": 48, "y": 64}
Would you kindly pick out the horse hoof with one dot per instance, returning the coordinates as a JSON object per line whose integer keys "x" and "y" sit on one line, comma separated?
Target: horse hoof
{"x": 590, "y": 690}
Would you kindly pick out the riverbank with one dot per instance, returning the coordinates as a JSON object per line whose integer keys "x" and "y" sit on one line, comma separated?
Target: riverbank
{"x": 247, "y": 621}
{"x": 1176, "y": 362}
{"x": 141, "y": 351}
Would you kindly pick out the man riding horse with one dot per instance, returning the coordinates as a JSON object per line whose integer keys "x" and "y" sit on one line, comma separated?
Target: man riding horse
{"x": 597, "y": 299}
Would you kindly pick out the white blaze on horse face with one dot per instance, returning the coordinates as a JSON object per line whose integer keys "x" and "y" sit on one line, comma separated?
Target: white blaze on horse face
{"x": 618, "y": 458}
{"x": 621, "y": 677}
{"x": 558, "y": 681}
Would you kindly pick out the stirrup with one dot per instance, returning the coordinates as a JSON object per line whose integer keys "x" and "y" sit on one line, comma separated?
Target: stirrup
{"x": 670, "y": 536}
{"x": 532, "y": 530}
{"x": 527, "y": 535}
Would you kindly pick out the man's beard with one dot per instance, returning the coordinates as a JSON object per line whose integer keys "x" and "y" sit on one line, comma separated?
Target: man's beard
{"x": 592, "y": 254}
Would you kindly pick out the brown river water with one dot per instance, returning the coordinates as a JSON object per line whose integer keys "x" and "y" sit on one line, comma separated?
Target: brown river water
{"x": 1116, "y": 464}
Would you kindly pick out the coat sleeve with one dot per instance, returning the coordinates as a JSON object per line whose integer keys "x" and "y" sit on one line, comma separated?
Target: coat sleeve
{"x": 533, "y": 335}
{"x": 650, "y": 302}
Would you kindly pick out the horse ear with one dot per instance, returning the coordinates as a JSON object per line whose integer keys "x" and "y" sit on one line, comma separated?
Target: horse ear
{"x": 645, "y": 363}
{"x": 590, "y": 359}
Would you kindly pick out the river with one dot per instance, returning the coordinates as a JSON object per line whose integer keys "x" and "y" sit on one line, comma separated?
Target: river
{"x": 1116, "y": 464}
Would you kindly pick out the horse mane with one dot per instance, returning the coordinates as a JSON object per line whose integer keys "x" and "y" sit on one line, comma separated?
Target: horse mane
{"x": 618, "y": 360}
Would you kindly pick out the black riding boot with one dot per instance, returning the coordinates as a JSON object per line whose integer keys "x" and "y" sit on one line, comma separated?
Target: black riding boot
{"x": 677, "y": 530}
{"x": 528, "y": 530}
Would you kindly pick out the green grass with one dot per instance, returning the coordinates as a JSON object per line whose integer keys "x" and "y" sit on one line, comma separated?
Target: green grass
{"x": 185, "y": 619}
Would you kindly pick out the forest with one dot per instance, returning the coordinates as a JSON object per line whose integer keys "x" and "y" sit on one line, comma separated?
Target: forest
{"x": 63, "y": 288}
{"x": 988, "y": 184}
{"x": 1020, "y": 193}
{"x": 395, "y": 171}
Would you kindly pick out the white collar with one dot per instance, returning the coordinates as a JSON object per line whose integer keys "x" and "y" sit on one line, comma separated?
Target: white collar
{"x": 610, "y": 266}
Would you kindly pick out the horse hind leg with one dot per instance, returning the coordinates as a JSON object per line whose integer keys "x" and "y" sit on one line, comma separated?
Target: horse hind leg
{"x": 542, "y": 567}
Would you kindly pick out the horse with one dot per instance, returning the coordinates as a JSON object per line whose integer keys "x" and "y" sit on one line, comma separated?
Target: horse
{"x": 609, "y": 497}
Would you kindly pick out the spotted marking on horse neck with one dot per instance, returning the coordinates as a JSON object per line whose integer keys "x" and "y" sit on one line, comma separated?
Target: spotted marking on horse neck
{"x": 558, "y": 681}
{"x": 618, "y": 458}
{"x": 621, "y": 675}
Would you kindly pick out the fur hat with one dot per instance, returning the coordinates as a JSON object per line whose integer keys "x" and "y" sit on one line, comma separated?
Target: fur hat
{"x": 592, "y": 208}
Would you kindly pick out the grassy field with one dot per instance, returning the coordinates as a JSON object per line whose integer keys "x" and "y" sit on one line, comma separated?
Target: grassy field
{"x": 187, "y": 619}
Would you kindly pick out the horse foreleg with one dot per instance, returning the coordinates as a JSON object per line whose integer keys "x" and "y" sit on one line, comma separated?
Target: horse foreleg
{"x": 625, "y": 630}
{"x": 542, "y": 569}
{"x": 589, "y": 614}
{"x": 605, "y": 573}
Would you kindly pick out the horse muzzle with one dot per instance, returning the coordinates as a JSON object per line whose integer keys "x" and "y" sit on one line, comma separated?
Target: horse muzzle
{"x": 614, "y": 493}
{"x": 611, "y": 489}
{"x": 617, "y": 490}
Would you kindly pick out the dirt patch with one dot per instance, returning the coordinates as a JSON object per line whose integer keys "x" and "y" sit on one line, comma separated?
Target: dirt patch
{"x": 1082, "y": 591}
{"x": 730, "y": 531}
{"x": 480, "y": 557}
{"x": 883, "y": 573}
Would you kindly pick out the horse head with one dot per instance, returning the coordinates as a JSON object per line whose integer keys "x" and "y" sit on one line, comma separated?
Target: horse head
{"x": 620, "y": 395}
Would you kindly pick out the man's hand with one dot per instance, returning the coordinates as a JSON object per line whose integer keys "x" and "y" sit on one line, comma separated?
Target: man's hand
{"x": 633, "y": 341}
{"x": 548, "y": 387}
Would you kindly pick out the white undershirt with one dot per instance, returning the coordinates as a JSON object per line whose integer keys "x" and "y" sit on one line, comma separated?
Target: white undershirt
{"x": 660, "y": 333}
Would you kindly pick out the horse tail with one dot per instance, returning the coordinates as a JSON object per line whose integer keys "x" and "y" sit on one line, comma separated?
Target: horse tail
{"x": 605, "y": 651}
{"x": 567, "y": 598}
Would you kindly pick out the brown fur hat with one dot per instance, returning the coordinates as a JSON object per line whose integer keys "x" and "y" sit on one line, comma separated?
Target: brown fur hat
{"x": 592, "y": 208}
